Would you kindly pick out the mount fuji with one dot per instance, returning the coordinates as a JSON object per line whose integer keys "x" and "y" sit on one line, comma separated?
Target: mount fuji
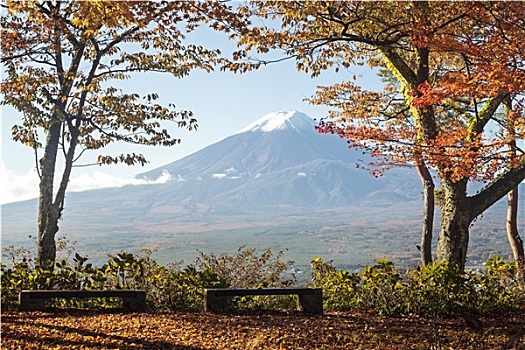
{"x": 280, "y": 161}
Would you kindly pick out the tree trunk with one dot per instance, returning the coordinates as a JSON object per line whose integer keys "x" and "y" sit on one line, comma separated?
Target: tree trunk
{"x": 428, "y": 214}
{"x": 51, "y": 204}
{"x": 516, "y": 243}
{"x": 47, "y": 211}
{"x": 458, "y": 212}
{"x": 46, "y": 252}
{"x": 455, "y": 221}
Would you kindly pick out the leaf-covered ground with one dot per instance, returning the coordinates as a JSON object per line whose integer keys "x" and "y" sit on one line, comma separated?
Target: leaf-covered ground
{"x": 75, "y": 329}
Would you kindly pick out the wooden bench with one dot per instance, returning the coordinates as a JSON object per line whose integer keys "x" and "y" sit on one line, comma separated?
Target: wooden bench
{"x": 34, "y": 299}
{"x": 309, "y": 300}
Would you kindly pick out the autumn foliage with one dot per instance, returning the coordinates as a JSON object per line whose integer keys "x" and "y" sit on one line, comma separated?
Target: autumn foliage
{"x": 447, "y": 67}
{"x": 62, "y": 61}
{"x": 199, "y": 331}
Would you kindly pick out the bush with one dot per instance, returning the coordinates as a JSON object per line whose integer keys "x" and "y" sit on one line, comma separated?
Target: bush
{"x": 381, "y": 290}
{"x": 434, "y": 289}
{"x": 182, "y": 289}
{"x": 247, "y": 269}
{"x": 339, "y": 287}
{"x": 441, "y": 288}
{"x": 168, "y": 288}
{"x": 377, "y": 288}
{"x": 500, "y": 289}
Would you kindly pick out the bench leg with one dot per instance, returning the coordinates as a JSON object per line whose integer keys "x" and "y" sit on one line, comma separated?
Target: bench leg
{"x": 312, "y": 303}
{"x": 132, "y": 304}
{"x": 26, "y": 303}
{"x": 213, "y": 303}
{"x": 137, "y": 303}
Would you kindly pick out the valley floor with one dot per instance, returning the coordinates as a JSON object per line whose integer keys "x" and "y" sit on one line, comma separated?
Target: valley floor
{"x": 77, "y": 329}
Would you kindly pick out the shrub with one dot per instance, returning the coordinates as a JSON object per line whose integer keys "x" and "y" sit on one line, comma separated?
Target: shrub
{"x": 15, "y": 278}
{"x": 434, "y": 289}
{"x": 381, "y": 290}
{"x": 168, "y": 288}
{"x": 499, "y": 287}
{"x": 441, "y": 288}
{"x": 248, "y": 269}
{"x": 339, "y": 286}
{"x": 182, "y": 289}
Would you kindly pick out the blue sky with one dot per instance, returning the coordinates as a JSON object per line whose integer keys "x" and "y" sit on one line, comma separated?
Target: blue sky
{"x": 222, "y": 102}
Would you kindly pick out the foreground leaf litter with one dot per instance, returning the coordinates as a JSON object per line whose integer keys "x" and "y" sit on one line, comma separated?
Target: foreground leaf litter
{"x": 78, "y": 329}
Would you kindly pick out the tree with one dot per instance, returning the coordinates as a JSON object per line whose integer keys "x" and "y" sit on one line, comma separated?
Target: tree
{"x": 427, "y": 181}
{"x": 516, "y": 243}
{"x": 60, "y": 59}
{"x": 455, "y": 63}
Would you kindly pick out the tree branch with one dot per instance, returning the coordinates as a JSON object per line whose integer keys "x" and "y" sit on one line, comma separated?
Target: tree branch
{"x": 496, "y": 190}
{"x": 400, "y": 65}
{"x": 488, "y": 110}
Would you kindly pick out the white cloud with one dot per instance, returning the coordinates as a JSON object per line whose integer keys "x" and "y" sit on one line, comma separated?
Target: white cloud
{"x": 103, "y": 180}
{"x": 225, "y": 176}
{"x": 16, "y": 187}
{"x": 301, "y": 174}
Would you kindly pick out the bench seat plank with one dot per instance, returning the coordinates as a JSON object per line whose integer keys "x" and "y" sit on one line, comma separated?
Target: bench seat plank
{"x": 309, "y": 299}
{"x": 261, "y": 291}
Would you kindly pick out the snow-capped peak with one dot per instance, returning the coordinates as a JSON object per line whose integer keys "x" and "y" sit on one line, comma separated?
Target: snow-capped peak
{"x": 281, "y": 121}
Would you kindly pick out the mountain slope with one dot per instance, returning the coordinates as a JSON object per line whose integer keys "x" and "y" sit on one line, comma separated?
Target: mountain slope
{"x": 281, "y": 160}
